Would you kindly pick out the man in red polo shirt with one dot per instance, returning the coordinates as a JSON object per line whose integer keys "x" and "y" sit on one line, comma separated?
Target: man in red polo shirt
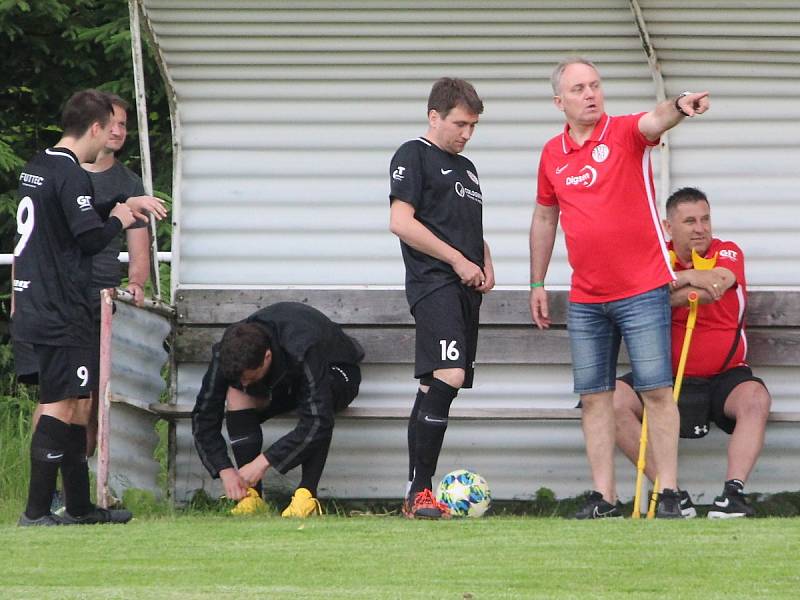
{"x": 718, "y": 384}
{"x": 596, "y": 176}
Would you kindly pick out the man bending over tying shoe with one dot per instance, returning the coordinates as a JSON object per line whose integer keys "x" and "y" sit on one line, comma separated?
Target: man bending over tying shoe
{"x": 286, "y": 357}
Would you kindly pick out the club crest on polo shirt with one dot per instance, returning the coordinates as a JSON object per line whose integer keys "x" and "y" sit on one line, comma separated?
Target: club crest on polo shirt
{"x": 600, "y": 153}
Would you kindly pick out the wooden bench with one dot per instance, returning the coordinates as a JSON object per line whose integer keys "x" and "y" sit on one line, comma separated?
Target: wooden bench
{"x": 380, "y": 320}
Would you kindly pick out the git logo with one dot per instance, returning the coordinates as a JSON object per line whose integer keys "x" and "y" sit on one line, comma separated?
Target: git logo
{"x": 729, "y": 254}
{"x": 398, "y": 174}
{"x": 84, "y": 203}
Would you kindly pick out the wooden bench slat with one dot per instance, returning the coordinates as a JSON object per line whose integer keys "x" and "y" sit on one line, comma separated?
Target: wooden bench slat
{"x": 784, "y": 417}
{"x": 496, "y": 345}
{"x": 184, "y": 411}
{"x": 349, "y": 307}
{"x": 389, "y": 307}
{"x": 773, "y": 347}
{"x": 387, "y": 345}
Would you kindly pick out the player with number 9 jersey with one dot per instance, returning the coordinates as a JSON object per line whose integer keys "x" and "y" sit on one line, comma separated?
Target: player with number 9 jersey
{"x": 51, "y": 272}
{"x": 58, "y": 230}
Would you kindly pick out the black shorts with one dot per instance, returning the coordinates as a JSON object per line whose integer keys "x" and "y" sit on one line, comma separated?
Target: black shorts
{"x": 447, "y": 331}
{"x": 702, "y": 400}
{"x": 65, "y": 372}
{"x": 345, "y": 381}
{"x": 26, "y": 363}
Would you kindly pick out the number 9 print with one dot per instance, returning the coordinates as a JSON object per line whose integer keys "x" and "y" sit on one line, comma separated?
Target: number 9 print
{"x": 83, "y": 375}
{"x": 25, "y": 222}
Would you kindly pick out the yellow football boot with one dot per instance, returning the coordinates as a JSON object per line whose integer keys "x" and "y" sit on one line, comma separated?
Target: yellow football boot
{"x": 303, "y": 505}
{"x": 251, "y": 504}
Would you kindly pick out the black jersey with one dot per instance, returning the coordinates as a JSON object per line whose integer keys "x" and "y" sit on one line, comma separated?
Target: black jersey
{"x": 51, "y": 274}
{"x": 305, "y": 343}
{"x": 446, "y": 195}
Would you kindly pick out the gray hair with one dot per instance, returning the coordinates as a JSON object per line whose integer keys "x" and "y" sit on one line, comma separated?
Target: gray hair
{"x": 555, "y": 78}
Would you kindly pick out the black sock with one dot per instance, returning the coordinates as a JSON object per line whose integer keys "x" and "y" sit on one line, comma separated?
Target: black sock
{"x": 431, "y": 426}
{"x": 412, "y": 434}
{"x": 244, "y": 432}
{"x": 313, "y": 466}
{"x": 48, "y": 446}
{"x": 75, "y": 473}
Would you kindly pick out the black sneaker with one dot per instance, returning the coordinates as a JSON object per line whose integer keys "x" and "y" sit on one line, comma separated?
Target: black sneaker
{"x": 97, "y": 515}
{"x": 688, "y": 511}
{"x": 47, "y": 520}
{"x": 597, "y": 508}
{"x": 669, "y": 505}
{"x": 731, "y": 504}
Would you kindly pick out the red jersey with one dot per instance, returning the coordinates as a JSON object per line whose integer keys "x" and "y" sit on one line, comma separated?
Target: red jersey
{"x": 604, "y": 190}
{"x": 717, "y": 325}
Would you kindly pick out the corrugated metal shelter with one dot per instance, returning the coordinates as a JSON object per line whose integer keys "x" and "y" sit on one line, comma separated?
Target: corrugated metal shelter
{"x": 286, "y": 115}
{"x": 132, "y": 355}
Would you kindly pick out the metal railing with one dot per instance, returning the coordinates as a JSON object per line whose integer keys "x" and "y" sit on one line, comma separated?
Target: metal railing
{"x": 165, "y": 257}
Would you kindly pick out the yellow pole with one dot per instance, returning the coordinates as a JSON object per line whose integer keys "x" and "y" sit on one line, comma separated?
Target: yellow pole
{"x": 676, "y": 388}
{"x": 640, "y": 464}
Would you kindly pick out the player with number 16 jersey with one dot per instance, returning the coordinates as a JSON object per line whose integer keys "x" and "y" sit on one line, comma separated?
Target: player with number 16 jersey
{"x": 436, "y": 211}
{"x": 445, "y": 192}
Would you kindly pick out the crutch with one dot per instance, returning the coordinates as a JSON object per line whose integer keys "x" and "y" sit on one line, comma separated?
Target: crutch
{"x": 699, "y": 263}
{"x": 640, "y": 464}
{"x": 676, "y": 388}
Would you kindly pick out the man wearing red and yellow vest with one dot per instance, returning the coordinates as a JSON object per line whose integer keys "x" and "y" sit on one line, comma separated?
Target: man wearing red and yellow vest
{"x": 718, "y": 384}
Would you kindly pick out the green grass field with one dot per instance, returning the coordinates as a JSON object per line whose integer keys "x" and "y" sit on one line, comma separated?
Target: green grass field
{"x": 389, "y": 557}
{"x": 200, "y": 553}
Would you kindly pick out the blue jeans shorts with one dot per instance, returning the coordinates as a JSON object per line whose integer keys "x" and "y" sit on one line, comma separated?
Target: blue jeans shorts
{"x": 595, "y": 332}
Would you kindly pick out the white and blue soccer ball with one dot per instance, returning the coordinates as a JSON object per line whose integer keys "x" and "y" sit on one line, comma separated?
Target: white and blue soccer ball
{"x": 466, "y": 494}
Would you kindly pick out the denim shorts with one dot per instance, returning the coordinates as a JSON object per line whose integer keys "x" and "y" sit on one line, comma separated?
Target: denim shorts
{"x": 595, "y": 332}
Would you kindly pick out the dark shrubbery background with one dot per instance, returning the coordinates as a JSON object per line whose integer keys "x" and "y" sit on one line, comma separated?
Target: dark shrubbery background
{"x": 50, "y": 49}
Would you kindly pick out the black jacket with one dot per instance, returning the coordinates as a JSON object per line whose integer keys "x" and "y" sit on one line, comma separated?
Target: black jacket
{"x": 304, "y": 344}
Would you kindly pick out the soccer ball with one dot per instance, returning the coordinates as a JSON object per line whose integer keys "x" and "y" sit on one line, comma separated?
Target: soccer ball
{"x": 465, "y": 493}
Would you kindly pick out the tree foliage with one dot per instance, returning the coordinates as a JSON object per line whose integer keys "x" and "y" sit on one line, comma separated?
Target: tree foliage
{"x": 50, "y": 49}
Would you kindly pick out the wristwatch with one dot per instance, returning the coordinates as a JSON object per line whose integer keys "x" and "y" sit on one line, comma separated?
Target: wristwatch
{"x": 678, "y": 106}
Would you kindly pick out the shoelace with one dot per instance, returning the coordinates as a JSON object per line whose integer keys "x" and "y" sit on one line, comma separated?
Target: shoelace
{"x": 425, "y": 499}
{"x": 317, "y": 506}
{"x": 297, "y": 503}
